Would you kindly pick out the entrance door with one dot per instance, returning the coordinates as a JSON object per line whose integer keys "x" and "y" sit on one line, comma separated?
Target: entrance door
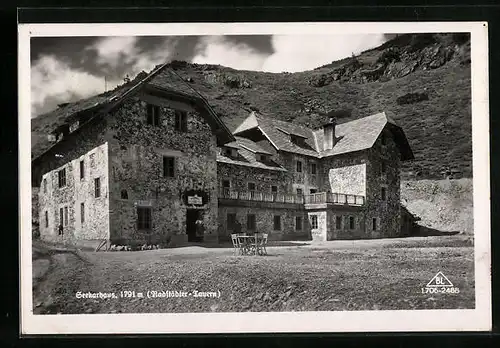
{"x": 191, "y": 216}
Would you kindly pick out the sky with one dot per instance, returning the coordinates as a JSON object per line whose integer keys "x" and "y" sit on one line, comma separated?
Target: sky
{"x": 65, "y": 69}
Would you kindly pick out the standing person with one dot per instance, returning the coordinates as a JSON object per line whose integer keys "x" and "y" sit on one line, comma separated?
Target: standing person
{"x": 60, "y": 229}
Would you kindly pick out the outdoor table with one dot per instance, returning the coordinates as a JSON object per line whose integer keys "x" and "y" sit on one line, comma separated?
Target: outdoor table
{"x": 246, "y": 241}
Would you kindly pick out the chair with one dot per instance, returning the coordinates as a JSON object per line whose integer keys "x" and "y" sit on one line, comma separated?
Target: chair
{"x": 236, "y": 244}
{"x": 261, "y": 244}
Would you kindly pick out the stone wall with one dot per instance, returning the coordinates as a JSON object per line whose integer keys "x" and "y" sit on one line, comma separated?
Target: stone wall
{"x": 264, "y": 218}
{"x": 77, "y": 190}
{"x": 388, "y": 211}
{"x": 345, "y": 173}
{"x": 137, "y": 169}
{"x": 240, "y": 176}
{"x": 35, "y": 207}
{"x": 350, "y": 179}
{"x": 303, "y": 180}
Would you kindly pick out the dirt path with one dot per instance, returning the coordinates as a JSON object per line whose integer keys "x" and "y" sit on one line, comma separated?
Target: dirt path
{"x": 57, "y": 272}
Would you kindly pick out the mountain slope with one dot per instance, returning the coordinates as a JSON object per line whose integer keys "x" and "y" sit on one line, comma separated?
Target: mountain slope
{"x": 422, "y": 80}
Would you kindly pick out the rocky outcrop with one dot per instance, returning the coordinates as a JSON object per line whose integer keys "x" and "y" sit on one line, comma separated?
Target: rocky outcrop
{"x": 420, "y": 52}
{"x": 411, "y": 98}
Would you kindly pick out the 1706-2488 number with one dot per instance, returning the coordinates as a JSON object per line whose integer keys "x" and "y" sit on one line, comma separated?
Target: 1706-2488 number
{"x": 440, "y": 290}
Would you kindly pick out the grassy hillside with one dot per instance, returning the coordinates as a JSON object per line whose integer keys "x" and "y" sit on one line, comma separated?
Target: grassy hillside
{"x": 423, "y": 81}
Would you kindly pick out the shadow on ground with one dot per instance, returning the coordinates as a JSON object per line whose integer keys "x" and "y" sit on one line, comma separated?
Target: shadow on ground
{"x": 423, "y": 231}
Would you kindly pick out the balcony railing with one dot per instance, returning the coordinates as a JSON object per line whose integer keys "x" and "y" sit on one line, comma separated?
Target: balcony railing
{"x": 261, "y": 196}
{"x": 334, "y": 198}
{"x": 321, "y": 197}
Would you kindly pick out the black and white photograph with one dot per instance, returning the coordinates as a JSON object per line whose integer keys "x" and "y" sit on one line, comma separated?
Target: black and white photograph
{"x": 326, "y": 177}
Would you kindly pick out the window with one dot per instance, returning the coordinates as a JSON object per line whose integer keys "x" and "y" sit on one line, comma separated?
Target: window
{"x": 181, "y": 121}
{"x": 97, "y": 187}
{"x": 383, "y": 193}
{"x": 153, "y": 114}
{"x": 251, "y": 186}
{"x": 312, "y": 191}
{"x": 65, "y": 216}
{"x": 231, "y": 220}
{"x": 277, "y": 222}
{"x": 251, "y": 222}
{"x": 168, "y": 167}
{"x": 313, "y": 168}
{"x": 298, "y": 223}
{"x": 274, "y": 189}
{"x": 61, "y": 216}
{"x": 338, "y": 222}
{"x": 82, "y": 212}
{"x": 226, "y": 184}
{"x": 92, "y": 160}
{"x": 44, "y": 185}
{"x": 46, "y": 219}
{"x": 262, "y": 158}
{"x": 351, "y": 222}
{"x": 300, "y": 192}
{"x": 228, "y": 152}
{"x": 374, "y": 224}
{"x": 82, "y": 170}
{"x": 299, "y": 167}
{"x": 314, "y": 221}
{"x": 124, "y": 194}
{"x": 143, "y": 218}
{"x": 62, "y": 177}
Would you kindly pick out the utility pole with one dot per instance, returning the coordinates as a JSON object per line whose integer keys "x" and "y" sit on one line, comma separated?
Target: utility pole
{"x": 105, "y": 84}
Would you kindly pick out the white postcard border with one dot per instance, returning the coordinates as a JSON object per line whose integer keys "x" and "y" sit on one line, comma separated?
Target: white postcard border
{"x": 478, "y": 319}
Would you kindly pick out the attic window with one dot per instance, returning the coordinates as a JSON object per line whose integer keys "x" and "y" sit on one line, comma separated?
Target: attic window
{"x": 230, "y": 152}
{"x": 262, "y": 157}
{"x": 296, "y": 140}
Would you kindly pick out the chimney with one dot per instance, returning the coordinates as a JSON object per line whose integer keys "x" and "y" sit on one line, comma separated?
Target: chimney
{"x": 329, "y": 134}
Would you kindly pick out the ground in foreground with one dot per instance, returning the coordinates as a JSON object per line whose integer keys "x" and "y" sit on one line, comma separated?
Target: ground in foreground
{"x": 339, "y": 275}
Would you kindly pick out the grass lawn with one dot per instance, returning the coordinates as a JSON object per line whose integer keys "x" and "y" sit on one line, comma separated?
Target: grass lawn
{"x": 338, "y": 275}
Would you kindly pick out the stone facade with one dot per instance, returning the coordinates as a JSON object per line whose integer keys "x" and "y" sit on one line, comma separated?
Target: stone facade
{"x": 155, "y": 158}
{"x": 383, "y": 173}
{"x": 74, "y": 202}
{"x": 263, "y": 180}
{"x": 137, "y": 154}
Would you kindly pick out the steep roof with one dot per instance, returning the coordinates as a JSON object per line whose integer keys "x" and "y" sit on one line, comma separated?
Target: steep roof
{"x": 355, "y": 135}
{"x": 251, "y": 146}
{"x": 86, "y": 109}
{"x": 352, "y": 136}
{"x": 246, "y": 157}
{"x": 278, "y": 133}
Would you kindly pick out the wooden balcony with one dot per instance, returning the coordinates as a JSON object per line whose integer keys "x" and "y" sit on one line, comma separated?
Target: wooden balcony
{"x": 315, "y": 198}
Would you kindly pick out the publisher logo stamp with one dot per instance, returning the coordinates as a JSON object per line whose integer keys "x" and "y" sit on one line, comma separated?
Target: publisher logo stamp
{"x": 440, "y": 284}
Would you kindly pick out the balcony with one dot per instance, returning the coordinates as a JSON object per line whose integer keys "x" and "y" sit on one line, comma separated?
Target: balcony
{"x": 334, "y": 198}
{"x": 315, "y": 198}
{"x": 261, "y": 196}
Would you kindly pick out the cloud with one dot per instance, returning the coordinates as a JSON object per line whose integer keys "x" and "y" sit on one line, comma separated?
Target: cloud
{"x": 78, "y": 71}
{"x": 306, "y": 52}
{"x": 219, "y": 50}
{"x": 54, "y": 80}
{"x": 292, "y": 53}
